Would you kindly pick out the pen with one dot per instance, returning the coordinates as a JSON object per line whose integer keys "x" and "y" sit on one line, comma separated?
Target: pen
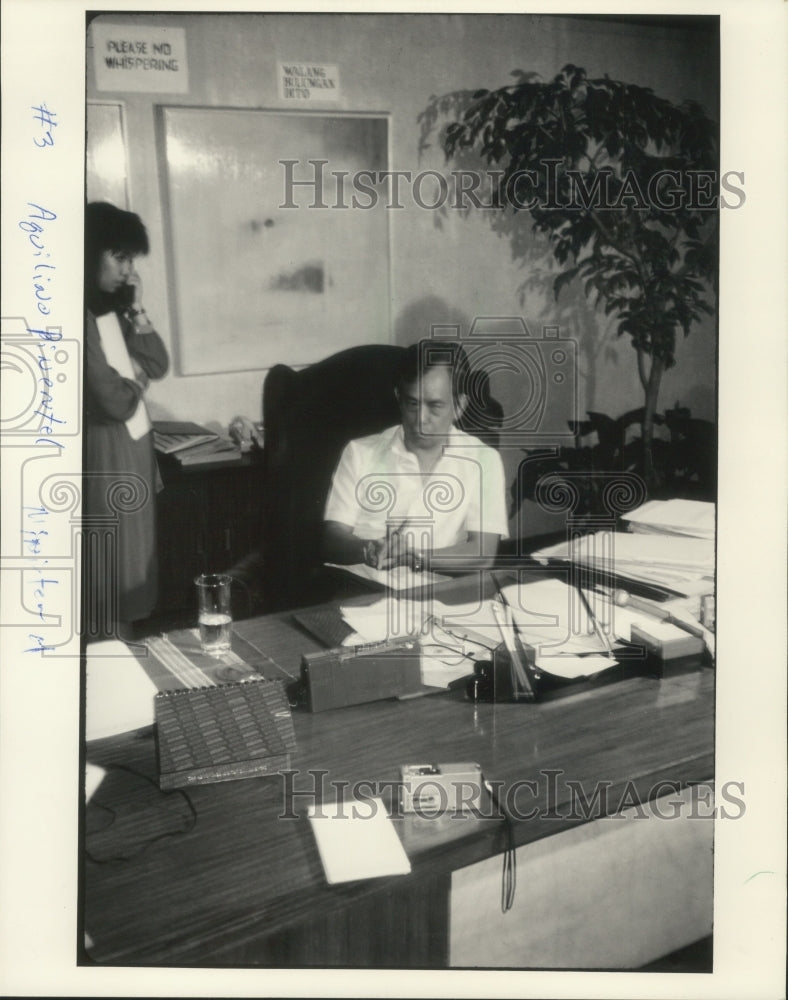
{"x": 395, "y": 535}
{"x": 595, "y": 622}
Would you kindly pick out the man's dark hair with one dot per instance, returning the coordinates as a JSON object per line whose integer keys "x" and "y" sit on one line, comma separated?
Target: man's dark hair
{"x": 426, "y": 354}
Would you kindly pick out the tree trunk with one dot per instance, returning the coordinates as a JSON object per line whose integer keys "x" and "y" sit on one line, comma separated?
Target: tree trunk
{"x": 650, "y": 473}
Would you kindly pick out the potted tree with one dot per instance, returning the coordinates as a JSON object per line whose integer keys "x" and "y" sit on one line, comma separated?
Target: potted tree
{"x": 623, "y": 185}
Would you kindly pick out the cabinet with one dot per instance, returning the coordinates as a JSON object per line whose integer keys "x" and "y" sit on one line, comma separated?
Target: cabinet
{"x": 209, "y": 517}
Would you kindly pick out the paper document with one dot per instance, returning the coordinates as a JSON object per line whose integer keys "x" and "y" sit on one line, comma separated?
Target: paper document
{"x": 117, "y": 355}
{"x": 550, "y": 615}
{"x": 679, "y": 563}
{"x": 572, "y": 667}
{"x": 444, "y": 657}
{"x": 388, "y": 618}
{"x": 356, "y": 839}
{"x": 119, "y": 694}
{"x": 94, "y": 775}
{"x": 400, "y": 578}
{"x": 547, "y": 614}
{"x": 679, "y": 517}
{"x": 440, "y": 665}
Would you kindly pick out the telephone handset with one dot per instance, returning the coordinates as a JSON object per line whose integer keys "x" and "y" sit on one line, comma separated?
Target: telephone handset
{"x": 125, "y": 296}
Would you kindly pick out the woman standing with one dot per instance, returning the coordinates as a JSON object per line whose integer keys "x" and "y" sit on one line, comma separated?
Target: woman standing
{"x": 120, "y": 475}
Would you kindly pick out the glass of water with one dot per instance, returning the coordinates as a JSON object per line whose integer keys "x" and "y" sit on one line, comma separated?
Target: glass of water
{"x": 213, "y": 597}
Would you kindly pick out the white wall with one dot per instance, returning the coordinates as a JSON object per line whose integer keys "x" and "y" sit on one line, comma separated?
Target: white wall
{"x": 392, "y": 64}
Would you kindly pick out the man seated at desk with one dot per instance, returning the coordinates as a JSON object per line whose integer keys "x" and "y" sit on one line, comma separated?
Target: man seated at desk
{"x": 422, "y": 494}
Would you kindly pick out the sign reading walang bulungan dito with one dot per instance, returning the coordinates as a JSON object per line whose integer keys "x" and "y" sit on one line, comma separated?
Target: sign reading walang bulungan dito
{"x": 300, "y": 81}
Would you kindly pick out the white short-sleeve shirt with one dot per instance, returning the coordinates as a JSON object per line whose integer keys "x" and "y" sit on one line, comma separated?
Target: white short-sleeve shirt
{"x": 378, "y": 484}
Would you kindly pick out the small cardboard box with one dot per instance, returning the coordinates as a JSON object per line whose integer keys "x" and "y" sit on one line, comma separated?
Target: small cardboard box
{"x": 669, "y": 650}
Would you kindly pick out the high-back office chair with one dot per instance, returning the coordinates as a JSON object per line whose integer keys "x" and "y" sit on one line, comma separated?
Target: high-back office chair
{"x": 309, "y": 416}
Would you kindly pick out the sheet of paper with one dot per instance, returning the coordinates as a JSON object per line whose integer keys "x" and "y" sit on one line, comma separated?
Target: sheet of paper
{"x": 357, "y": 840}
{"x": 547, "y": 613}
{"x": 621, "y": 619}
{"x": 119, "y": 694}
{"x": 676, "y": 516}
{"x": 550, "y": 615}
{"x": 670, "y": 551}
{"x": 400, "y": 578}
{"x": 117, "y": 355}
{"x": 385, "y": 619}
{"x": 679, "y": 563}
{"x": 572, "y": 667}
{"x": 440, "y": 665}
{"x": 94, "y": 775}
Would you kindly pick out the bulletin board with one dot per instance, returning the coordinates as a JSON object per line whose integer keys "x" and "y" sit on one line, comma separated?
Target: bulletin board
{"x": 254, "y": 282}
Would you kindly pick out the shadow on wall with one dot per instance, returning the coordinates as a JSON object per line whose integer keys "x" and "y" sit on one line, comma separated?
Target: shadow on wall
{"x": 417, "y": 320}
{"x": 433, "y": 317}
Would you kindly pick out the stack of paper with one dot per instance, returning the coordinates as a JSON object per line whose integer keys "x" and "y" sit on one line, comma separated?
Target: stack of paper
{"x": 218, "y": 449}
{"x": 553, "y": 617}
{"x": 547, "y": 614}
{"x": 680, "y": 563}
{"x": 170, "y": 436}
{"x": 674, "y": 517}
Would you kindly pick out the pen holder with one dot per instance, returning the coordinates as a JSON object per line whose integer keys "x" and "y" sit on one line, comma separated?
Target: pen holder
{"x": 498, "y": 680}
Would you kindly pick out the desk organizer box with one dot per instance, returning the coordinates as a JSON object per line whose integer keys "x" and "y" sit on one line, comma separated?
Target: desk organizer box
{"x": 222, "y": 733}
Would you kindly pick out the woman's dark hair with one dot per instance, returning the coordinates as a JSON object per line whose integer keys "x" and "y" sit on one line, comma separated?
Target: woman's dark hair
{"x": 109, "y": 228}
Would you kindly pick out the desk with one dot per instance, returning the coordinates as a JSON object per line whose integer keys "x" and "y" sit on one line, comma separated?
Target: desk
{"x": 245, "y": 887}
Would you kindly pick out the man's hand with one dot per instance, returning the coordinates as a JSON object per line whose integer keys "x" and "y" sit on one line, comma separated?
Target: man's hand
{"x": 340, "y": 545}
{"x": 396, "y": 550}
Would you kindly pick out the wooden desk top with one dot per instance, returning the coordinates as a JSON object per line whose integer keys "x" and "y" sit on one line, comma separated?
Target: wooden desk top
{"x": 244, "y": 870}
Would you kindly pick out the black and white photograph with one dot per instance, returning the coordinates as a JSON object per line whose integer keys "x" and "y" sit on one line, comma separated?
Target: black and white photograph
{"x": 393, "y": 445}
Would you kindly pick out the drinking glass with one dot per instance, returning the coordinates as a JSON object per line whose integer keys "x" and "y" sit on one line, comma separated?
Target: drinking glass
{"x": 213, "y": 601}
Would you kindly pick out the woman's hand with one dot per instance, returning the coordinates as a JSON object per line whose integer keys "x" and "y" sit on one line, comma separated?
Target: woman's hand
{"x": 135, "y": 282}
{"x": 140, "y": 375}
